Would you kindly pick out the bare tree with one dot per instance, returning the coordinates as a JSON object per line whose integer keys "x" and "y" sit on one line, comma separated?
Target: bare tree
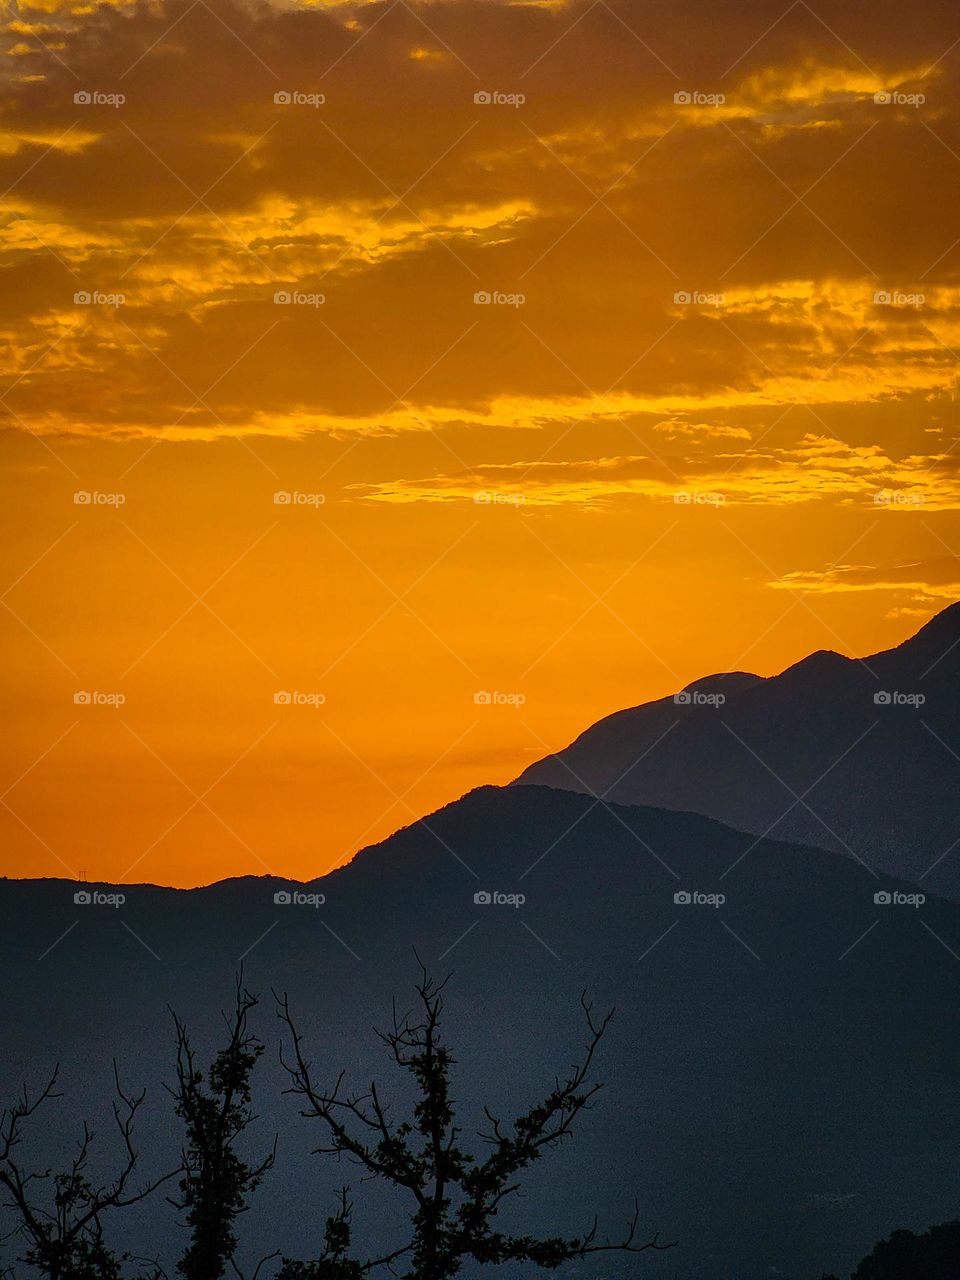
{"x": 59, "y": 1215}
{"x": 454, "y": 1197}
{"x": 216, "y": 1109}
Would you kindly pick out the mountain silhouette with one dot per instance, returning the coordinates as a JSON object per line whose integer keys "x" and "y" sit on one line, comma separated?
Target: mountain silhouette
{"x": 779, "y": 1075}
{"x": 857, "y": 755}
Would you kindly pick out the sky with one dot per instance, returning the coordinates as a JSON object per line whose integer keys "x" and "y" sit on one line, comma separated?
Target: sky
{"x": 390, "y": 390}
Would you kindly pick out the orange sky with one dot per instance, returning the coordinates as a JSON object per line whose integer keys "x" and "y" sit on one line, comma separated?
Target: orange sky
{"x": 583, "y": 494}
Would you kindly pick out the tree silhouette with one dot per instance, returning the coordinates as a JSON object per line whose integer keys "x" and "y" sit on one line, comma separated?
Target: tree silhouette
{"x": 216, "y": 1180}
{"x": 935, "y": 1255}
{"x": 454, "y": 1197}
{"x": 60, "y": 1214}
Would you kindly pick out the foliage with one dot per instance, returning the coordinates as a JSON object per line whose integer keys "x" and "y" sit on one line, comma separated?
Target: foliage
{"x": 60, "y": 1215}
{"x": 454, "y": 1197}
{"x": 216, "y": 1180}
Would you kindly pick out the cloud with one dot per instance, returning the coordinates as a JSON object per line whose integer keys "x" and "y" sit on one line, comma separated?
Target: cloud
{"x": 818, "y": 469}
{"x": 932, "y": 580}
{"x": 399, "y": 197}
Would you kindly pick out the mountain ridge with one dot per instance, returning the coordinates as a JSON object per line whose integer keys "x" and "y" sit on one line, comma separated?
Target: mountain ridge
{"x": 858, "y": 755}
{"x": 799, "y": 1021}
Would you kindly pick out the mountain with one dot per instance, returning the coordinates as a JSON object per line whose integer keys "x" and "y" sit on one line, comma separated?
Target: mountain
{"x": 780, "y": 1074}
{"x": 857, "y": 755}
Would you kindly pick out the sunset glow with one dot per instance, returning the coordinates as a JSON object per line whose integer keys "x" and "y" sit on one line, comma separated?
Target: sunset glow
{"x": 564, "y": 352}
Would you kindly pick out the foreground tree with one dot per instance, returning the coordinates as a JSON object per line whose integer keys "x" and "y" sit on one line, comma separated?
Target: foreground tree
{"x": 455, "y": 1198}
{"x": 935, "y": 1255}
{"x": 60, "y": 1215}
{"x": 216, "y": 1110}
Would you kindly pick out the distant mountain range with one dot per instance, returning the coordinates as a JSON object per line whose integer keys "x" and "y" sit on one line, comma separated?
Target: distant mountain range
{"x": 857, "y": 755}
{"x": 781, "y": 1071}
